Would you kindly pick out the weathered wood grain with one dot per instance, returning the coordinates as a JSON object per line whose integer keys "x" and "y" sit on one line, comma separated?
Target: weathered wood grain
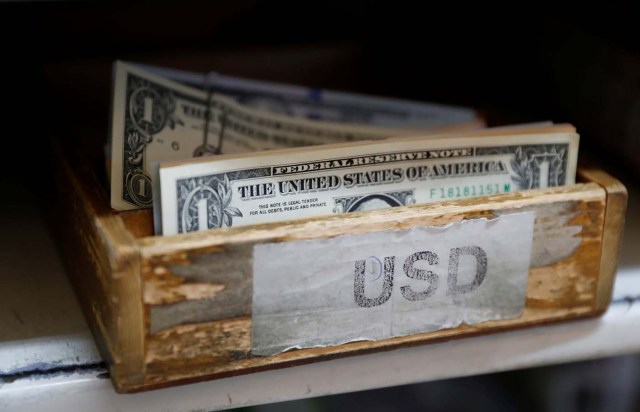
{"x": 232, "y": 357}
{"x": 562, "y": 282}
{"x": 139, "y": 223}
{"x": 223, "y": 274}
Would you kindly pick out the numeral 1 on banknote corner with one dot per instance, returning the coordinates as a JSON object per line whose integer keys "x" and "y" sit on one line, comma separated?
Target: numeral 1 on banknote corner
{"x": 139, "y": 188}
{"x": 544, "y": 173}
{"x": 142, "y": 187}
{"x": 203, "y": 221}
{"x": 543, "y": 163}
{"x": 148, "y": 109}
{"x": 387, "y": 271}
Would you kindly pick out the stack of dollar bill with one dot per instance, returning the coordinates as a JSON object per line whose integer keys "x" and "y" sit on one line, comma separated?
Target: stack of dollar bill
{"x": 282, "y": 152}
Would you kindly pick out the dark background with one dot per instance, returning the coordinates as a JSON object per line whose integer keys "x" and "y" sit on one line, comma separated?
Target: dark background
{"x": 524, "y": 62}
{"x": 528, "y": 62}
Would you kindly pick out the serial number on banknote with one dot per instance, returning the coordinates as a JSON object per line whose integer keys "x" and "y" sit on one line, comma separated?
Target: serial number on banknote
{"x": 452, "y": 192}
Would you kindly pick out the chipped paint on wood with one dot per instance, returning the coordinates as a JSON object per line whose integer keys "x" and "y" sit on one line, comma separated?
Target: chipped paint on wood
{"x": 229, "y": 269}
{"x": 163, "y": 288}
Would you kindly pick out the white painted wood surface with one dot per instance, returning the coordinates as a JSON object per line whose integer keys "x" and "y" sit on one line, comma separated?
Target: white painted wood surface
{"x": 48, "y": 360}
{"x": 41, "y": 325}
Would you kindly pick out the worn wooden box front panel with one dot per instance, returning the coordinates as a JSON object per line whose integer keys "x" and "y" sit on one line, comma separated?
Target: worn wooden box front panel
{"x": 197, "y": 288}
{"x": 168, "y": 310}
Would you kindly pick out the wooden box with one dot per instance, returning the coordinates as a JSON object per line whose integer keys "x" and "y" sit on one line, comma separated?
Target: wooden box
{"x": 172, "y": 310}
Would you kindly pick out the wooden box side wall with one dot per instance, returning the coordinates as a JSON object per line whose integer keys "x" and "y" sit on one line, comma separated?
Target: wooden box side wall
{"x": 103, "y": 262}
{"x": 613, "y": 229}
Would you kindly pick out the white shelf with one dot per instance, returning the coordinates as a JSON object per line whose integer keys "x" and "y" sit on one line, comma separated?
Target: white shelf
{"x": 48, "y": 360}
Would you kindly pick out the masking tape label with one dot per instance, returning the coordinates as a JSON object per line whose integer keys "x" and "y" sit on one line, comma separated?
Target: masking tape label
{"x": 373, "y": 286}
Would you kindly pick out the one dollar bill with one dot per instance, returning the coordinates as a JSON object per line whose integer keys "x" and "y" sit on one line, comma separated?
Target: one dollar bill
{"x": 230, "y": 191}
{"x": 155, "y": 119}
